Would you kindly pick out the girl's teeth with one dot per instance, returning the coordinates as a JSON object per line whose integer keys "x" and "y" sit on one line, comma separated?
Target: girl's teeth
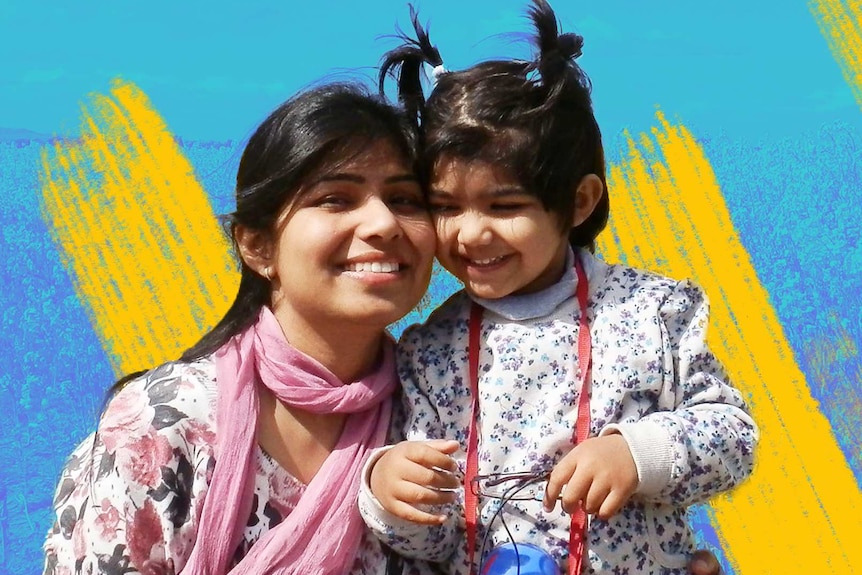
{"x": 488, "y": 261}
{"x": 373, "y": 267}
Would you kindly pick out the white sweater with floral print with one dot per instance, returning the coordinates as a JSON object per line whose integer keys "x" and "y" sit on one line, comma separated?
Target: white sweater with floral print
{"x": 654, "y": 380}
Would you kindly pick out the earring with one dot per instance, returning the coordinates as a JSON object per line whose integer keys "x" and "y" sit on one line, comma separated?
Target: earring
{"x": 267, "y": 273}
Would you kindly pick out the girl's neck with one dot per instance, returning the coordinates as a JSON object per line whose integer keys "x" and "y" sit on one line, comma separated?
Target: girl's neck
{"x": 541, "y": 303}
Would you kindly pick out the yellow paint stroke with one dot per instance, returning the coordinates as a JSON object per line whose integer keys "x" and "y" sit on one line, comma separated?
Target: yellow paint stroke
{"x": 801, "y": 511}
{"x": 136, "y": 231}
{"x": 840, "y": 23}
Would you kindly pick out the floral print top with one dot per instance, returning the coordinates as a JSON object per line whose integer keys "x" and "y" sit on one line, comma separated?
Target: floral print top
{"x": 654, "y": 380}
{"x": 130, "y": 495}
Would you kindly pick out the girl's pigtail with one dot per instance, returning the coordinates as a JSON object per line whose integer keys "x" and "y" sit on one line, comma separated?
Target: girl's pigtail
{"x": 566, "y": 97}
{"x": 556, "y": 54}
{"x": 406, "y": 64}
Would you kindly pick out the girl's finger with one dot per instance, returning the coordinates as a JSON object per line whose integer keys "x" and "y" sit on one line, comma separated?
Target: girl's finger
{"x": 430, "y": 457}
{"x": 410, "y": 513}
{"x": 576, "y": 491}
{"x": 597, "y": 497}
{"x": 561, "y": 474}
{"x": 413, "y": 494}
{"x": 611, "y": 505}
{"x": 447, "y": 446}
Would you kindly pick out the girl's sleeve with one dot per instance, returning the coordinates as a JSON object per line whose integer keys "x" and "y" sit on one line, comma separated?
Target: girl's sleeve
{"x": 701, "y": 441}
{"x": 419, "y": 421}
{"x": 126, "y": 498}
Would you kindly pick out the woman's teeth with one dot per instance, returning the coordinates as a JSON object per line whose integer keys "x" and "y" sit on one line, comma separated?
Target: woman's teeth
{"x": 373, "y": 267}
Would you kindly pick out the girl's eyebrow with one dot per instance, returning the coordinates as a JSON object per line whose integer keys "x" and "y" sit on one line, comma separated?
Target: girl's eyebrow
{"x": 495, "y": 193}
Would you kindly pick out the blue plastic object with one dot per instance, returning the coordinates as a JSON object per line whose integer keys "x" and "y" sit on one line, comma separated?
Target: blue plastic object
{"x": 505, "y": 559}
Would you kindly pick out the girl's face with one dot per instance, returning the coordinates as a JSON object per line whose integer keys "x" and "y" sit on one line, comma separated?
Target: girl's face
{"x": 491, "y": 233}
{"x": 355, "y": 247}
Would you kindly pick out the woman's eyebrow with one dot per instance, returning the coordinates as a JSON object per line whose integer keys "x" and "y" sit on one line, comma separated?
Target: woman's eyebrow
{"x": 336, "y": 177}
{"x": 359, "y": 179}
{"x": 406, "y": 177}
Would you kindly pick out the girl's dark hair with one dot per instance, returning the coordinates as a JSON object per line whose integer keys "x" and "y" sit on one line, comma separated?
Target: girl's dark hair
{"x": 535, "y": 117}
{"x": 315, "y": 130}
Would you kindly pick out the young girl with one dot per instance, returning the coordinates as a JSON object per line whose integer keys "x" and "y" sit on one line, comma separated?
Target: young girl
{"x": 552, "y": 370}
{"x": 244, "y": 455}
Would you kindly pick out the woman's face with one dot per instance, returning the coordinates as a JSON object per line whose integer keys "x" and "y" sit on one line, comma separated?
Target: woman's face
{"x": 356, "y": 246}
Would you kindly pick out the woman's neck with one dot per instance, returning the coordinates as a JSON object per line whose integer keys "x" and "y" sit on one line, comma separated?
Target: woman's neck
{"x": 348, "y": 351}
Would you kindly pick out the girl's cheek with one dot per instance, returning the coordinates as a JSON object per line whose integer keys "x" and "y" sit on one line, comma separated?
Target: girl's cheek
{"x": 444, "y": 229}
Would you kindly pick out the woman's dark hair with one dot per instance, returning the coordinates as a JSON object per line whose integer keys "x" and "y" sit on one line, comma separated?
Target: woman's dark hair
{"x": 321, "y": 126}
{"x": 536, "y": 117}
{"x": 316, "y": 129}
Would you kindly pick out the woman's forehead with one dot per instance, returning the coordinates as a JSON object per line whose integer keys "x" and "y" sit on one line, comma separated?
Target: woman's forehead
{"x": 361, "y": 154}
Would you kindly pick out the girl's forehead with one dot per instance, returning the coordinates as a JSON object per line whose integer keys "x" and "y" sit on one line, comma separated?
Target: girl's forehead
{"x": 456, "y": 171}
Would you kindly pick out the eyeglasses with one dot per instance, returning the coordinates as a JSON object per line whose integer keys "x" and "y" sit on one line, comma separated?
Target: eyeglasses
{"x": 516, "y": 486}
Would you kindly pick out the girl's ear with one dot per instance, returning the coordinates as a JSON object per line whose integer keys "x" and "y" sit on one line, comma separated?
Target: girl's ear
{"x": 588, "y": 194}
{"x": 255, "y": 249}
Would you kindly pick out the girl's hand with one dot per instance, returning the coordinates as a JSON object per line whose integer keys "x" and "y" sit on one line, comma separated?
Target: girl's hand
{"x": 415, "y": 473}
{"x": 600, "y": 472}
{"x": 703, "y": 562}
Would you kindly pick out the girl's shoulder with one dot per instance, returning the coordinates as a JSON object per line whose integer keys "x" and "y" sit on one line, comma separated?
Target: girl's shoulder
{"x": 621, "y": 281}
{"x": 644, "y": 289}
{"x": 448, "y": 316}
{"x": 441, "y": 333}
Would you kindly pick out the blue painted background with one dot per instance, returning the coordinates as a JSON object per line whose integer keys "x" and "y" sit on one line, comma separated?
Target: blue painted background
{"x": 754, "y": 81}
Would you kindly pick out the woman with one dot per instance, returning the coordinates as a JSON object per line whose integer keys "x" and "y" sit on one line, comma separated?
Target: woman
{"x": 244, "y": 455}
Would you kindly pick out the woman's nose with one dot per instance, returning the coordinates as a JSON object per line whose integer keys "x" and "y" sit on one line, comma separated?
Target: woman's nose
{"x": 378, "y": 220}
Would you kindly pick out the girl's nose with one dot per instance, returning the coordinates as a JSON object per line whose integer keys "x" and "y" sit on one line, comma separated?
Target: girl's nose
{"x": 473, "y": 230}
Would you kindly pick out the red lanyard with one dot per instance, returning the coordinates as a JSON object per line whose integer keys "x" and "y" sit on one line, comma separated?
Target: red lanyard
{"x": 577, "y": 532}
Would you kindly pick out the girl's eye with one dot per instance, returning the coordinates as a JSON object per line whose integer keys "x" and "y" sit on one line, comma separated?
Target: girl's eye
{"x": 442, "y": 209}
{"x": 507, "y": 208}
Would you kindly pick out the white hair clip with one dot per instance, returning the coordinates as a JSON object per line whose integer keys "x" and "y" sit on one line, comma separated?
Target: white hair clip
{"x": 436, "y": 72}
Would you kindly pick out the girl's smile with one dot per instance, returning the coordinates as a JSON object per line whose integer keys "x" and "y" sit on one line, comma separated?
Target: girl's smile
{"x": 492, "y": 234}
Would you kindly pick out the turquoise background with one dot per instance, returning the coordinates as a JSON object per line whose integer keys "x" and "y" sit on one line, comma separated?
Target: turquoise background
{"x": 754, "y": 82}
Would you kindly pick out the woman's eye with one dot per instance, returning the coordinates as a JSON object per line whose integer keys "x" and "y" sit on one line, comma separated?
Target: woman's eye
{"x": 331, "y": 200}
{"x": 409, "y": 202}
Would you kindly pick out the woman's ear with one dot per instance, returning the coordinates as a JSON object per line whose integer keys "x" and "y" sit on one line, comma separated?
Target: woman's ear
{"x": 255, "y": 249}
{"x": 587, "y": 196}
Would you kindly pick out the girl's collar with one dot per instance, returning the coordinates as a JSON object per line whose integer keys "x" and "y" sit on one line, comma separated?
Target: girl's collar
{"x": 541, "y": 303}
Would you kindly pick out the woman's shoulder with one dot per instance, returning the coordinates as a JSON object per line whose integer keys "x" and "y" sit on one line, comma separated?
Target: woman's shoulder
{"x": 175, "y": 395}
{"x": 140, "y": 475}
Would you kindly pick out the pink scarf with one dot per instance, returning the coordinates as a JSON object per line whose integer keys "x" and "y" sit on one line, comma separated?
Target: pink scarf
{"x": 322, "y": 534}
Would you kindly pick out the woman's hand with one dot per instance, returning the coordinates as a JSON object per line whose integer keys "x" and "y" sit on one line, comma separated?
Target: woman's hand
{"x": 600, "y": 472}
{"x": 414, "y": 474}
